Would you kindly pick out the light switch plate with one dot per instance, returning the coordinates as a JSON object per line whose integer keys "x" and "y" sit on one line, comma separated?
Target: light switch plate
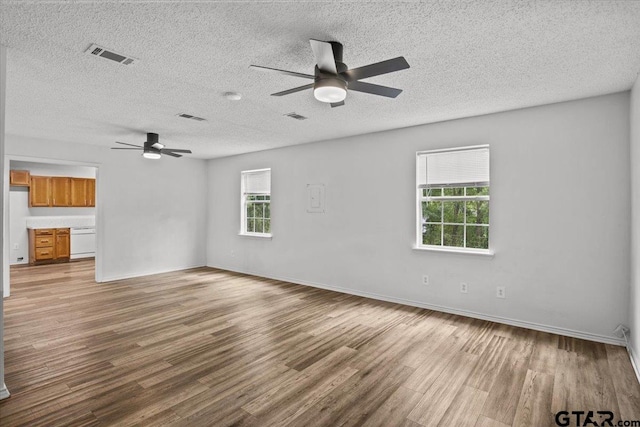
{"x": 315, "y": 198}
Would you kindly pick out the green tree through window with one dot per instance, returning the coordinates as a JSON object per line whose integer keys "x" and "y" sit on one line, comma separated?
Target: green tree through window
{"x": 456, "y": 217}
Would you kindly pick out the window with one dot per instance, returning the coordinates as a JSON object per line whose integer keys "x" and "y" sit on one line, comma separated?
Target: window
{"x": 256, "y": 203}
{"x": 453, "y": 199}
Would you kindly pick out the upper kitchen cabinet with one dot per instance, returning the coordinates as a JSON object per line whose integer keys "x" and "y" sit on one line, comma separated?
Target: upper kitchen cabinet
{"x": 79, "y": 192}
{"x": 91, "y": 192}
{"x": 40, "y": 191}
{"x": 60, "y": 191}
{"x": 19, "y": 178}
{"x": 83, "y": 192}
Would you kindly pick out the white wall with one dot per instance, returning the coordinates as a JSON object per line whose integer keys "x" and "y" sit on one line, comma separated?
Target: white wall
{"x": 19, "y": 208}
{"x": 18, "y": 236}
{"x": 150, "y": 214}
{"x": 560, "y": 217}
{"x": 634, "y": 306}
{"x": 4, "y": 285}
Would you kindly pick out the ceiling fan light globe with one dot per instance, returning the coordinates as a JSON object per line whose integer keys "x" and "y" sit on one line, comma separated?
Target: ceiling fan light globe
{"x": 151, "y": 155}
{"x": 330, "y": 90}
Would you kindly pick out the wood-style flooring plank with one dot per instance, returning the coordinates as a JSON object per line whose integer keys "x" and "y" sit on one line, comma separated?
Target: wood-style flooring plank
{"x": 441, "y": 393}
{"x": 465, "y": 408}
{"x": 627, "y": 389}
{"x": 207, "y": 347}
{"x": 534, "y": 406}
{"x": 395, "y": 409}
{"x": 502, "y": 401}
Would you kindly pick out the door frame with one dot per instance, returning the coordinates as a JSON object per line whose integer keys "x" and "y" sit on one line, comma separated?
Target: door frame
{"x": 6, "y": 277}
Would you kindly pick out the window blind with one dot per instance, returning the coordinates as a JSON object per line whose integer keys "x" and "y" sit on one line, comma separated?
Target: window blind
{"x": 450, "y": 168}
{"x": 257, "y": 182}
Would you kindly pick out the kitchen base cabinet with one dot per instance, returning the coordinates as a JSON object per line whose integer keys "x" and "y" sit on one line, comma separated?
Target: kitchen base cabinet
{"x": 49, "y": 245}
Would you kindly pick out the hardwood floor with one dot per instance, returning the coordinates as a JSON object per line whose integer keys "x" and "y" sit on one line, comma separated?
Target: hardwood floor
{"x": 206, "y": 347}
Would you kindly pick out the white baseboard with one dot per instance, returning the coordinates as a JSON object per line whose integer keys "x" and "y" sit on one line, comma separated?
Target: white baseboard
{"x": 497, "y": 319}
{"x": 81, "y": 256}
{"x": 634, "y": 361}
{"x": 4, "y": 392}
{"x": 148, "y": 273}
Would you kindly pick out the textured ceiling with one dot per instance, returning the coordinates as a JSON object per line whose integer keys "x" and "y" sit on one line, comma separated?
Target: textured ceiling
{"x": 467, "y": 58}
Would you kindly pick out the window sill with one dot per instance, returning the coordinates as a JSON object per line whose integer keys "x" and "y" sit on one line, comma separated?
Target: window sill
{"x": 487, "y": 253}
{"x": 257, "y": 235}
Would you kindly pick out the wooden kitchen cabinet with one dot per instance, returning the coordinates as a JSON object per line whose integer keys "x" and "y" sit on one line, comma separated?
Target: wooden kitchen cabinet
{"x": 63, "y": 243}
{"x": 19, "y": 178}
{"x": 40, "y": 191}
{"x": 48, "y": 245}
{"x": 83, "y": 192}
{"x": 91, "y": 192}
{"x": 79, "y": 192}
{"x": 60, "y": 191}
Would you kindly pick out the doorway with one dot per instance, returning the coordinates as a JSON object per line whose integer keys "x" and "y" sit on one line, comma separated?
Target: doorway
{"x": 51, "y": 218}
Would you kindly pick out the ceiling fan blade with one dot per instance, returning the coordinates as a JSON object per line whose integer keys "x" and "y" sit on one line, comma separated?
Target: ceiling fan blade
{"x": 120, "y": 148}
{"x": 174, "y": 150}
{"x": 384, "y": 67}
{"x": 124, "y": 143}
{"x": 294, "y": 90}
{"x": 389, "y": 92}
{"x": 285, "y": 72}
{"x": 170, "y": 153}
{"x": 324, "y": 56}
{"x": 337, "y": 104}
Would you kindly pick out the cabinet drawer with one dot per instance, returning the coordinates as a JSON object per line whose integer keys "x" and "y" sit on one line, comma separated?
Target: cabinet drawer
{"x": 44, "y": 253}
{"x": 44, "y": 232}
{"x": 44, "y": 241}
{"x": 62, "y": 231}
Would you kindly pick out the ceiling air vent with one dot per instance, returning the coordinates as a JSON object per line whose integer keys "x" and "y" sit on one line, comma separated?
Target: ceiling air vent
{"x": 189, "y": 116}
{"x": 296, "y": 116}
{"x": 96, "y": 50}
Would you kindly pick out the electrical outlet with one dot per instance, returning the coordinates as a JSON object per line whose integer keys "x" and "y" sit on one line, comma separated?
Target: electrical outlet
{"x": 464, "y": 288}
{"x": 500, "y": 292}
{"x": 16, "y": 247}
{"x": 425, "y": 280}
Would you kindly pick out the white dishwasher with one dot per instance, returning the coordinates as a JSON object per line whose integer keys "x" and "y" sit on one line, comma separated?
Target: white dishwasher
{"x": 83, "y": 242}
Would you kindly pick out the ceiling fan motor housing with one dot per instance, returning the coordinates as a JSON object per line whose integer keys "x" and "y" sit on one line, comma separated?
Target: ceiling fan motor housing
{"x": 152, "y": 138}
{"x": 329, "y": 87}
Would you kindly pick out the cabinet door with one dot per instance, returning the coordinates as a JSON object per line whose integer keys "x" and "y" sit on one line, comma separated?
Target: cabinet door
{"x": 79, "y": 192}
{"x": 21, "y": 178}
{"x": 63, "y": 243}
{"x": 61, "y": 191}
{"x": 40, "y": 191}
{"x": 91, "y": 192}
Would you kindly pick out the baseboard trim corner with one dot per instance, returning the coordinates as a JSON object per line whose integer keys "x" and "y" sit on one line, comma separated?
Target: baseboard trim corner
{"x": 4, "y": 392}
{"x": 467, "y": 313}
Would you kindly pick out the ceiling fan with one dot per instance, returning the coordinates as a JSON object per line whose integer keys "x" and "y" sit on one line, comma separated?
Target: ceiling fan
{"x": 332, "y": 78}
{"x": 153, "y": 149}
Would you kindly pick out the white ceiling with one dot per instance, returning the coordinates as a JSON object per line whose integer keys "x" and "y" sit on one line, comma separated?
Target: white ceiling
{"x": 467, "y": 58}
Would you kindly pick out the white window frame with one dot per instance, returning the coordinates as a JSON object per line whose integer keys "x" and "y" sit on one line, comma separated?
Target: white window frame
{"x": 421, "y": 198}
{"x": 243, "y": 205}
